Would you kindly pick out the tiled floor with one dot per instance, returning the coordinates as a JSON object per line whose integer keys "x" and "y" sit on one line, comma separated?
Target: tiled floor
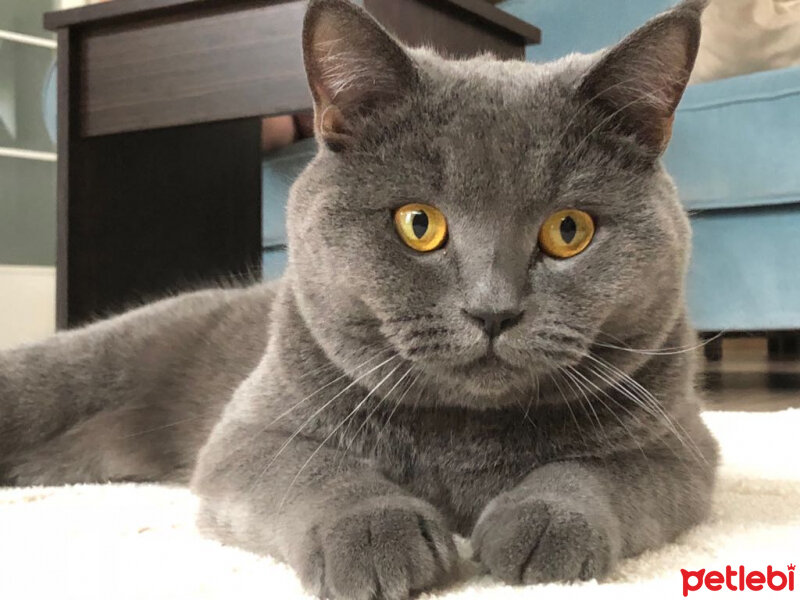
{"x": 746, "y": 380}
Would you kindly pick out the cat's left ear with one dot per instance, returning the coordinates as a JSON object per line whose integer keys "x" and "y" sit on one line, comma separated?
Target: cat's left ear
{"x": 638, "y": 83}
{"x": 354, "y": 69}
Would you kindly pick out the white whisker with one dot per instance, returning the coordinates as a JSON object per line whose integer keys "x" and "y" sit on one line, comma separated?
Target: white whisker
{"x": 667, "y": 351}
{"x": 577, "y": 373}
{"x": 396, "y": 406}
{"x": 324, "y": 387}
{"x": 291, "y": 438}
{"x": 333, "y": 432}
{"x": 635, "y": 391}
{"x": 374, "y": 410}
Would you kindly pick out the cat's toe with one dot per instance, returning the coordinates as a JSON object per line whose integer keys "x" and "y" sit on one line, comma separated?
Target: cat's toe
{"x": 385, "y": 550}
{"x": 535, "y": 541}
{"x": 569, "y": 549}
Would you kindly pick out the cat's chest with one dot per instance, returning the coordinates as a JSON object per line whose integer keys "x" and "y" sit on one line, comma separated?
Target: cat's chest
{"x": 458, "y": 462}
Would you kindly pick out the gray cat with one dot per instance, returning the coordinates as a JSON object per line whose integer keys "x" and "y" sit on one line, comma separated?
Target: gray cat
{"x": 481, "y": 330}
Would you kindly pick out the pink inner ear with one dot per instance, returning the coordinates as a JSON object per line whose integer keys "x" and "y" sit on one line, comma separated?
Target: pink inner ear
{"x": 330, "y": 121}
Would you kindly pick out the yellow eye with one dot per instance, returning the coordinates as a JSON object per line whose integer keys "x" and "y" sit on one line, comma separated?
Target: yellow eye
{"x": 566, "y": 233}
{"x": 421, "y": 227}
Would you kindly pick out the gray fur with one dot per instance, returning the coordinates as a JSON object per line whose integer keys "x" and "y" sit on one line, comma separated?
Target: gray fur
{"x": 368, "y": 421}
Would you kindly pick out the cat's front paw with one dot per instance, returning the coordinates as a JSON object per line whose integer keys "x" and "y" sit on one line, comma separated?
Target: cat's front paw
{"x": 382, "y": 548}
{"x": 537, "y": 541}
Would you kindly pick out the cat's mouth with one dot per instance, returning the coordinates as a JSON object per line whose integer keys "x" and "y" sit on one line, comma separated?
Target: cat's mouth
{"x": 489, "y": 362}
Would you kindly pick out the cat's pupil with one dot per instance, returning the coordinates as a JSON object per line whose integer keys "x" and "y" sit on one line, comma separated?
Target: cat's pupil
{"x": 568, "y": 229}
{"x": 419, "y": 224}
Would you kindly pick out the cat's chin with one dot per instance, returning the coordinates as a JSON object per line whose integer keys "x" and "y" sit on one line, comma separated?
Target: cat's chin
{"x": 488, "y": 377}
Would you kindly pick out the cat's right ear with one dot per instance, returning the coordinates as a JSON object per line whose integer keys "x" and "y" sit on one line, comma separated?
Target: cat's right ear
{"x": 354, "y": 69}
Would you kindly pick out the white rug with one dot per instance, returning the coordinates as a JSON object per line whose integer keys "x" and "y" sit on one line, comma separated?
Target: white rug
{"x": 139, "y": 541}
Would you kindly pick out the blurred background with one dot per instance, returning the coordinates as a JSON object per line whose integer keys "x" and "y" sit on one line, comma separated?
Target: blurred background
{"x": 735, "y": 155}
{"x": 27, "y": 171}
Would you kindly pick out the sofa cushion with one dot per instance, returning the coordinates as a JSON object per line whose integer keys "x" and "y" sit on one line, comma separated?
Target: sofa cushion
{"x": 736, "y": 142}
{"x": 743, "y": 275}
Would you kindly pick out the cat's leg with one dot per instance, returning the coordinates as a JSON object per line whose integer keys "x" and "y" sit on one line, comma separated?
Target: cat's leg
{"x": 347, "y": 531}
{"x": 573, "y": 520}
{"x": 132, "y": 397}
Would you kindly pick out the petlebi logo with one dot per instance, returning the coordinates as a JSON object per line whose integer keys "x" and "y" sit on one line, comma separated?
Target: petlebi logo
{"x": 739, "y": 579}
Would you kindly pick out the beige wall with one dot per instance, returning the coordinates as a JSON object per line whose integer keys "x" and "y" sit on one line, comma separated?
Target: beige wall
{"x": 73, "y": 3}
{"x": 27, "y": 304}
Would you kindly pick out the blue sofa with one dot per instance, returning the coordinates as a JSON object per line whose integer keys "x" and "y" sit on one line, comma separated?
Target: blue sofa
{"x": 735, "y": 155}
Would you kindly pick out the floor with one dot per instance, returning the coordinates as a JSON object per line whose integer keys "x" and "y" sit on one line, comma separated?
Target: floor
{"x": 747, "y": 380}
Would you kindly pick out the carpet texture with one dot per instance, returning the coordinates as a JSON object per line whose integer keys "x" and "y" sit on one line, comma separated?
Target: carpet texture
{"x": 139, "y": 541}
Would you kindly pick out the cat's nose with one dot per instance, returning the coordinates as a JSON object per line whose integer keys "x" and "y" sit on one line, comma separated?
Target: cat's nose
{"x": 495, "y": 322}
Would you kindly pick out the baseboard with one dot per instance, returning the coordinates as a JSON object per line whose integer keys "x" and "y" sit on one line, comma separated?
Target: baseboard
{"x": 27, "y": 304}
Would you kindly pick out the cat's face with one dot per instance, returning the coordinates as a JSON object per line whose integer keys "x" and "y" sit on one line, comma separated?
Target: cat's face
{"x": 498, "y": 149}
